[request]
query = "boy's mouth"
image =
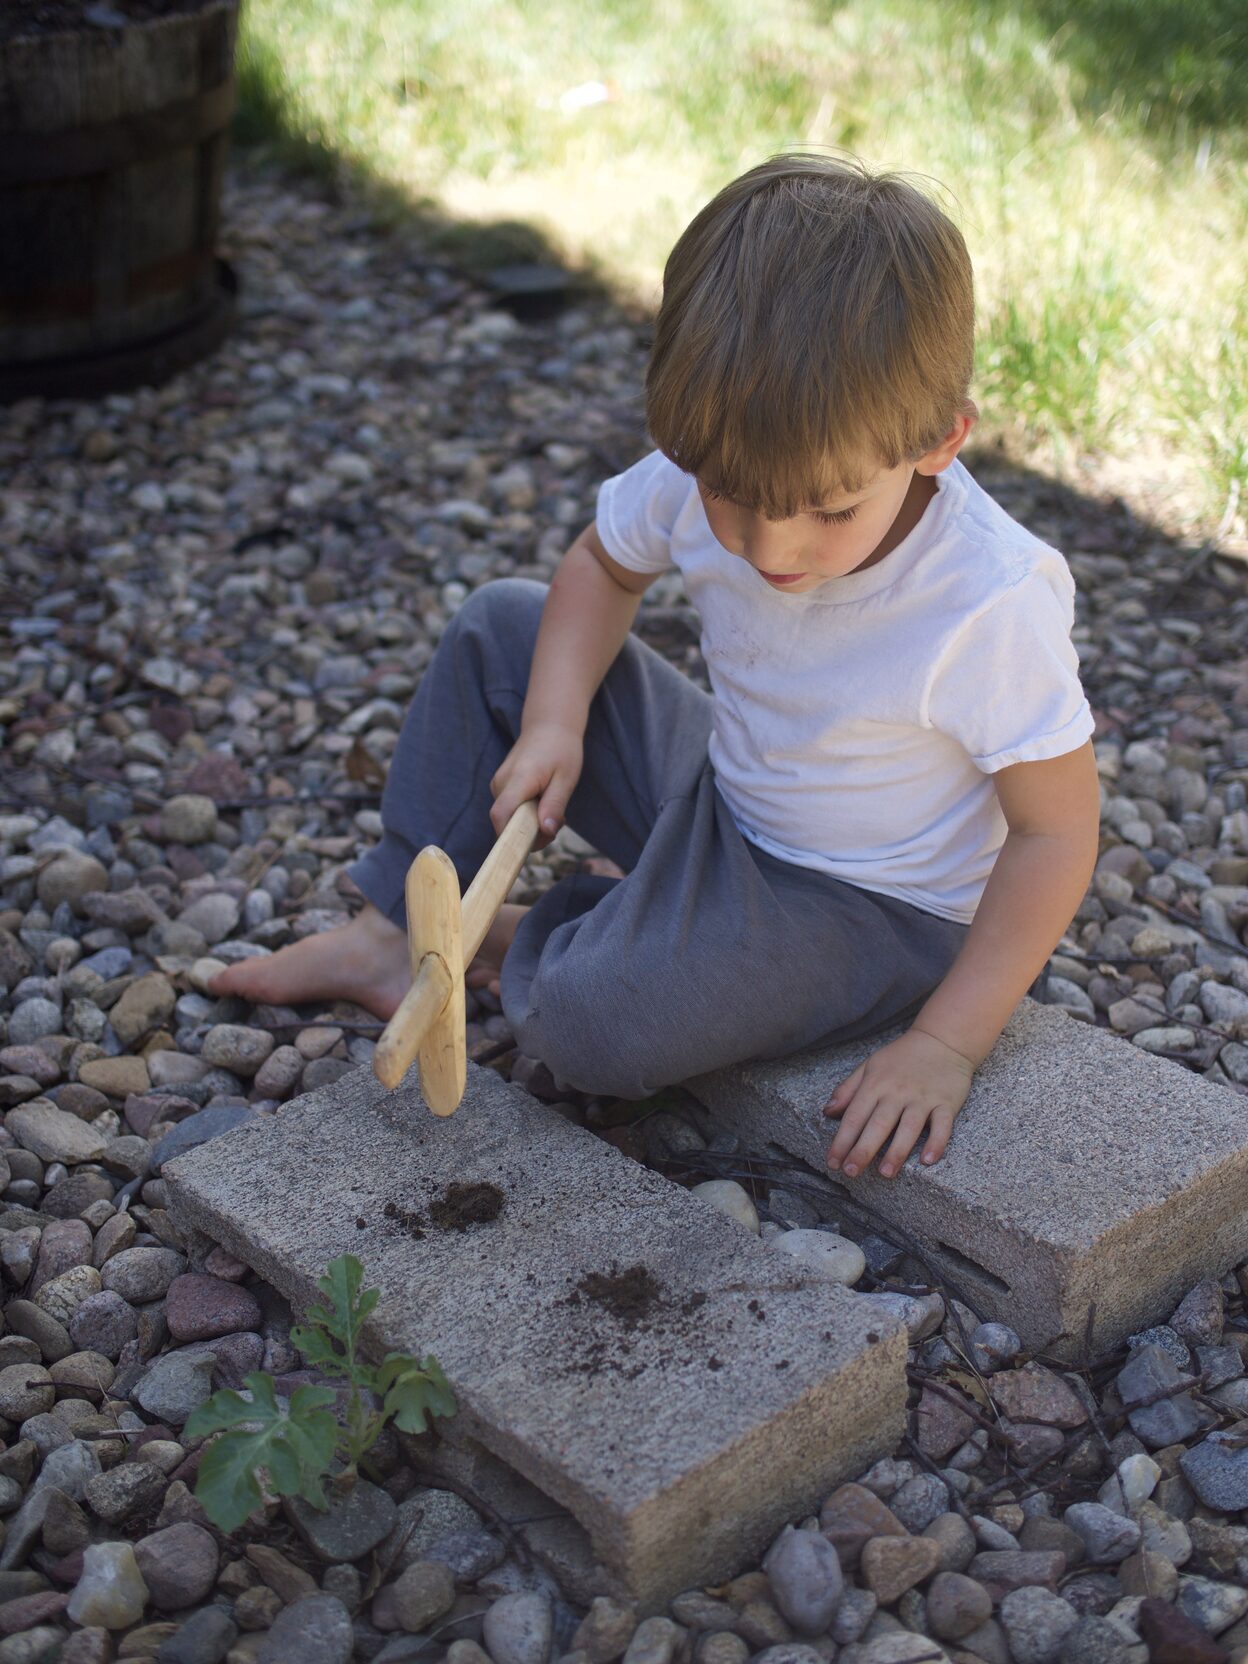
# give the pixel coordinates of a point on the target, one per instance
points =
(779, 579)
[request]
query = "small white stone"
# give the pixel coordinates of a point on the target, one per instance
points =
(729, 1197)
(830, 1256)
(111, 1591)
(1138, 1475)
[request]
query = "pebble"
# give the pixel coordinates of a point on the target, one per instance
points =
(1170, 1420)
(832, 1257)
(200, 1307)
(125, 1490)
(142, 1274)
(891, 1565)
(313, 1630)
(654, 1641)
(1214, 1606)
(605, 1631)
(728, 1197)
(1107, 1537)
(1198, 1317)
(205, 1637)
(518, 1629)
(1036, 1621)
(188, 819)
(241, 1050)
(179, 1564)
(111, 1593)
(806, 1580)
(175, 1385)
(423, 1593)
(350, 1527)
(53, 1134)
(1215, 1469)
(956, 1605)
(919, 1501)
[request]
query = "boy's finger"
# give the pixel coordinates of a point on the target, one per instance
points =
(904, 1139)
(871, 1139)
(837, 1103)
(853, 1121)
(938, 1137)
(552, 808)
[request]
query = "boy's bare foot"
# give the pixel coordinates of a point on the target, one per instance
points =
(365, 961)
(485, 968)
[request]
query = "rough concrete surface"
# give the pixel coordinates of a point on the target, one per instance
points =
(682, 1441)
(1082, 1173)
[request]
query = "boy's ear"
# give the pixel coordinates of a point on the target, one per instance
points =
(939, 458)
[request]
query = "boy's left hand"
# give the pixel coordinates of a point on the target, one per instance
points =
(915, 1081)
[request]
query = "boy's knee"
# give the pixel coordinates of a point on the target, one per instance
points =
(503, 603)
(595, 1045)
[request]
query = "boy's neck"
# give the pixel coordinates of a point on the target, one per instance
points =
(922, 490)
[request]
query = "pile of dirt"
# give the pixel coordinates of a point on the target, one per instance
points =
(631, 1296)
(461, 1205)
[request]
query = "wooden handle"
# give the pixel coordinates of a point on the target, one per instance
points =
(405, 1032)
(499, 871)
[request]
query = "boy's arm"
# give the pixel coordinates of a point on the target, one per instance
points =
(589, 611)
(922, 1079)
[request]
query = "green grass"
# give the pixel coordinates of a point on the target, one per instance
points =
(1093, 152)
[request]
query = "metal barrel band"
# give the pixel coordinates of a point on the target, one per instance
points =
(99, 147)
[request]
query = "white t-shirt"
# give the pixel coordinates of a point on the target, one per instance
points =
(855, 727)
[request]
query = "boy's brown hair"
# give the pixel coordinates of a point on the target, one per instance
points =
(817, 325)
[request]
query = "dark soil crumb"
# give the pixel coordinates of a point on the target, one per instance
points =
(361, 1224)
(52, 17)
(412, 1223)
(462, 1205)
(630, 1295)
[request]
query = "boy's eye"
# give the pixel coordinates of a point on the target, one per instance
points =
(838, 519)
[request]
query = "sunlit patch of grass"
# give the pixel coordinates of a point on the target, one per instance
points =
(1092, 151)
(1046, 355)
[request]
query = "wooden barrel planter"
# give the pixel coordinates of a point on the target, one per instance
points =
(112, 151)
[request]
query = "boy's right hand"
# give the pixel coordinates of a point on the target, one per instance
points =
(544, 763)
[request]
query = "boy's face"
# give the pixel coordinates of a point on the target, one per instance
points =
(830, 539)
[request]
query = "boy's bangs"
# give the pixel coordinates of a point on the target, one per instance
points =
(774, 458)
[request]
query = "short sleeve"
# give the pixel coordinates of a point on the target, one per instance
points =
(637, 510)
(1007, 687)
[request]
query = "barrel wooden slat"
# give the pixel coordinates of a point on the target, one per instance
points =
(99, 76)
(109, 248)
(47, 94)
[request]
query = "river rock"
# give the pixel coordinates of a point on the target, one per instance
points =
(200, 1307)
(1036, 1622)
(423, 1594)
(728, 1197)
(188, 819)
(806, 1580)
(518, 1629)
(146, 1005)
(175, 1386)
(349, 1529)
(103, 1323)
(53, 1134)
(142, 1274)
(314, 1630)
(834, 1258)
(179, 1565)
(70, 877)
(1218, 1472)
(111, 1592)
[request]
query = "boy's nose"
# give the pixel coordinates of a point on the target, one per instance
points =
(766, 552)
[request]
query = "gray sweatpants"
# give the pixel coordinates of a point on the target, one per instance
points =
(710, 951)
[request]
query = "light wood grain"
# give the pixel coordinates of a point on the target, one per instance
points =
(433, 923)
(398, 1046)
(499, 871)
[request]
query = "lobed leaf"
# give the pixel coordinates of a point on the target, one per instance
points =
(292, 1445)
(413, 1391)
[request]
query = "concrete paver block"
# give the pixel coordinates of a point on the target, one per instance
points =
(1083, 1173)
(681, 1436)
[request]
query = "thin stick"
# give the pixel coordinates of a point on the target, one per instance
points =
(499, 871)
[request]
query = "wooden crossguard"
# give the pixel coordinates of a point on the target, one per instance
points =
(443, 936)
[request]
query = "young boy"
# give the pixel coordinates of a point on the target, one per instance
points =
(887, 808)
